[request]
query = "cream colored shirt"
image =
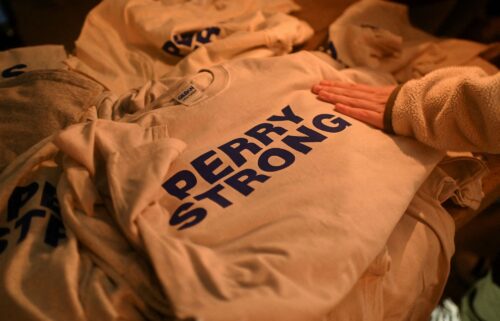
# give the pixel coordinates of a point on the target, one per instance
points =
(125, 43)
(221, 199)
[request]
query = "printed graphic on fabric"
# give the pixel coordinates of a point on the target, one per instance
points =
(13, 71)
(182, 44)
(257, 141)
(21, 195)
(331, 50)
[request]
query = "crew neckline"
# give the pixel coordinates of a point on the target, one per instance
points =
(192, 90)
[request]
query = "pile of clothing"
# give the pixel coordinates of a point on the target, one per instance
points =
(177, 167)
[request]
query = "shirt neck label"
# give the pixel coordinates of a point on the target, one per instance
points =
(188, 94)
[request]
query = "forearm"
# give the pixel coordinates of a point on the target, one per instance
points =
(451, 109)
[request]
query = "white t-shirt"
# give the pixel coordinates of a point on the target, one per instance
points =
(15, 62)
(125, 43)
(233, 194)
(258, 214)
(379, 35)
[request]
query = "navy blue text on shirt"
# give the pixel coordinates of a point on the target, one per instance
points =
(182, 44)
(257, 142)
(23, 216)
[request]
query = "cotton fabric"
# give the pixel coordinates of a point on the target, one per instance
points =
(378, 35)
(125, 43)
(36, 104)
(291, 246)
(14, 62)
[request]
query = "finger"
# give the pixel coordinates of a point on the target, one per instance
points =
(352, 102)
(367, 116)
(359, 94)
(317, 88)
(361, 87)
(333, 83)
(327, 85)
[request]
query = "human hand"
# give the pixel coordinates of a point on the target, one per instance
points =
(362, 102)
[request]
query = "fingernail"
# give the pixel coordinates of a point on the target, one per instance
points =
(317, 88)
(323, 94)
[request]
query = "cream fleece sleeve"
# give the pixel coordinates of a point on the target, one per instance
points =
(456, 108)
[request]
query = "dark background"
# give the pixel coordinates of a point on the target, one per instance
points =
(35, 22)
